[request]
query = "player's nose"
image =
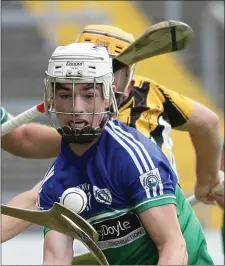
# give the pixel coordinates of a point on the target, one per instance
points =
(78, 105)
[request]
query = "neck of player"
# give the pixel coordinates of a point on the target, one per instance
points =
(80, 149)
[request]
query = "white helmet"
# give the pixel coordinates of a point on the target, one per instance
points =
(79, 63)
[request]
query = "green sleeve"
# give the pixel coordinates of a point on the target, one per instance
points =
(156, 201)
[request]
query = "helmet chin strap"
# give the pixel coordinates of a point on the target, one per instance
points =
(82, 135)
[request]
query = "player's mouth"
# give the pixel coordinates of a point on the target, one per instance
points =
(78, 123)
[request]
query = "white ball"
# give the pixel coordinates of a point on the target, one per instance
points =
(74, 199)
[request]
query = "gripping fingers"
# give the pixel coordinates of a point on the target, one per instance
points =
(218, 189)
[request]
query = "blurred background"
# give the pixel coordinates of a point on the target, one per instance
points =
(30, 32)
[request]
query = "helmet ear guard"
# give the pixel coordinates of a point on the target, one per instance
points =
(79, 63)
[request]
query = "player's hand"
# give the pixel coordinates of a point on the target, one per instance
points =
(220, 200)
(208, 193)
(218, 193)
(202, 194)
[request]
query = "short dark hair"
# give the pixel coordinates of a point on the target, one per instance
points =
(58, 86)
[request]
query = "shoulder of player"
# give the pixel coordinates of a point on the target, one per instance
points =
(144, 82)
(139, 80)
(130, 142)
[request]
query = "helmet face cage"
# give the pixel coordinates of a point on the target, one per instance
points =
(71, 132)
(65, 117)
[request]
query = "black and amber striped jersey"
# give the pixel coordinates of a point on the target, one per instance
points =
(154, 110)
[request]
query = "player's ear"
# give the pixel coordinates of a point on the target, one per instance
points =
(51, 100)
(52, 103)
(107, 104)
(129, 88)
(114, 88)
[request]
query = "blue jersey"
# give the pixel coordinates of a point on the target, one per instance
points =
(124, 173)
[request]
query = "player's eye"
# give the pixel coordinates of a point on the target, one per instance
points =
(65, 96)
(89, 95)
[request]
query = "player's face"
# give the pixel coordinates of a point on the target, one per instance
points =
(120, 81)
(73, 106)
